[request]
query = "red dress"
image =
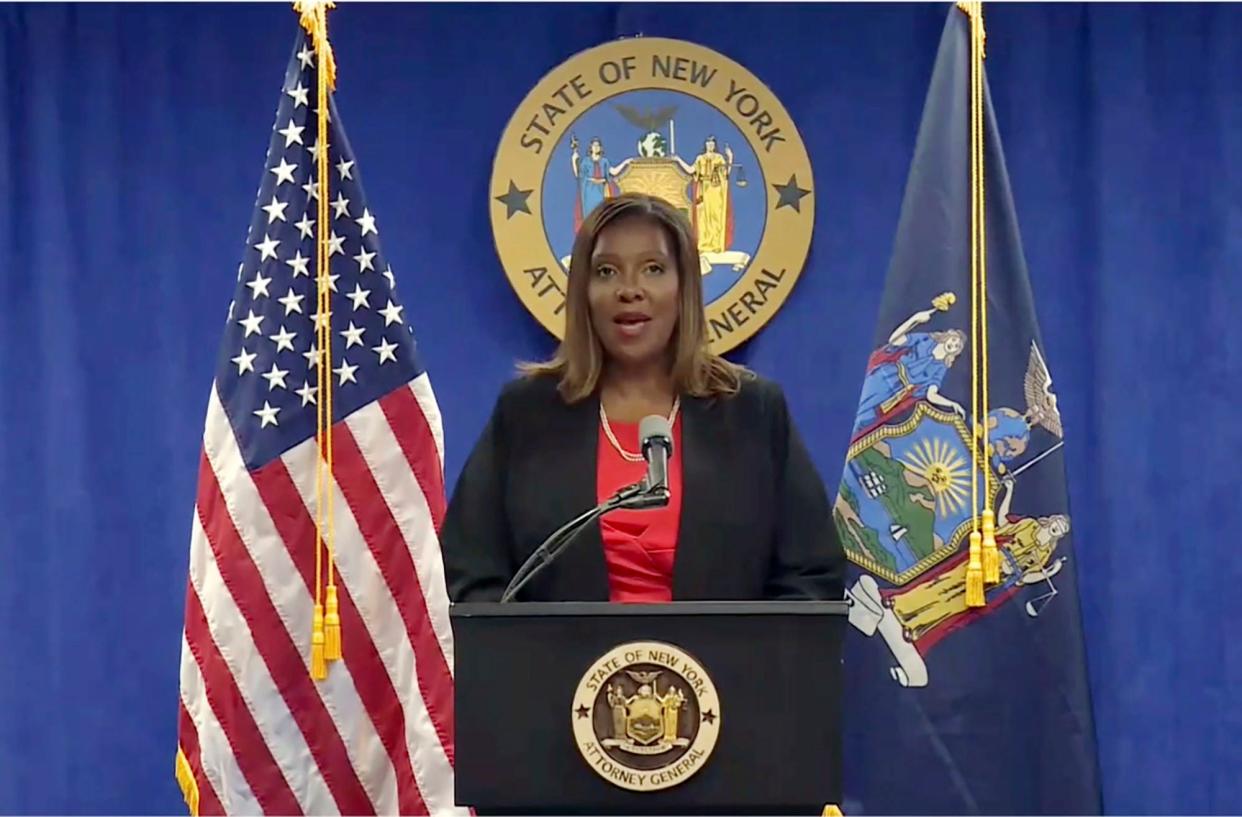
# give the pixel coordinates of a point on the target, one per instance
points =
(639, 545)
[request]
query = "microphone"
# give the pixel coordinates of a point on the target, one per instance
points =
(652, 491)
(656, 437)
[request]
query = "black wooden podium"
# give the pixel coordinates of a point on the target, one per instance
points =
(775, 688)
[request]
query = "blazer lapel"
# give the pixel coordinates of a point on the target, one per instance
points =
(692, 563)
(582, 573)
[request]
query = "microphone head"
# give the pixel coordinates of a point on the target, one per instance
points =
(654, 429)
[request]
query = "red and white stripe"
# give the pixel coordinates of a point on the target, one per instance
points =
(376, 737)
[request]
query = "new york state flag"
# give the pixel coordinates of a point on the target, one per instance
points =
(969, 708)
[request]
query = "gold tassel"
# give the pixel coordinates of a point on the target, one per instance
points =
(332, 628)
(974, 572)
(991, 555)
(319, 668)
(831, 810)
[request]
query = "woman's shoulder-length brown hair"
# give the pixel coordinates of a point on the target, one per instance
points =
(579, 360)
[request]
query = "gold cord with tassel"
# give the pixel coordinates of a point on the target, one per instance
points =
(991, 556)
(983, 566)
(332, 621)
(974, 567)
(325, 626)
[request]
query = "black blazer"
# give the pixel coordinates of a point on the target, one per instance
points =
(755, 519)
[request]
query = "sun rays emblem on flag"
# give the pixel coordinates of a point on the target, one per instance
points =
(905, 500)
(947, 473)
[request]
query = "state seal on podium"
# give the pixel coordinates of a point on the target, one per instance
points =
(646, 716)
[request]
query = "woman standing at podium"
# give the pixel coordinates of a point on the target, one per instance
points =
(748, 516)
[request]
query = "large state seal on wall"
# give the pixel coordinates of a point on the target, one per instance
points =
(672, 119)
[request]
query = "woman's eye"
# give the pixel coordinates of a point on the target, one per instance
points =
(604, 272)
(654, 269)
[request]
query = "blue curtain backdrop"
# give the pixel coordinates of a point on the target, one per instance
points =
(132, 140)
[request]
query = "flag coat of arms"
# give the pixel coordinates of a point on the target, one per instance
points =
(259, 732)
(971, 705)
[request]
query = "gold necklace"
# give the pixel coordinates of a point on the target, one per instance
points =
(628, 455)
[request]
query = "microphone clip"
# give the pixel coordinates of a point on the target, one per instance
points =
(646, 496)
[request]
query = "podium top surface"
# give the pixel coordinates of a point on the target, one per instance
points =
(680, 608)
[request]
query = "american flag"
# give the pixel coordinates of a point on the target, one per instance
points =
(257, 734)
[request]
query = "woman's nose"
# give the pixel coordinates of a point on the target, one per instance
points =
(629, 293)
(628, 288)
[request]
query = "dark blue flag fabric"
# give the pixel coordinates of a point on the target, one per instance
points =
(957, 708)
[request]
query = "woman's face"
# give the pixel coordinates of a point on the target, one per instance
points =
(634, 291)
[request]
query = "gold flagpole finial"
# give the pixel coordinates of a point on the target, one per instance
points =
(974, 10)
(314, 18)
